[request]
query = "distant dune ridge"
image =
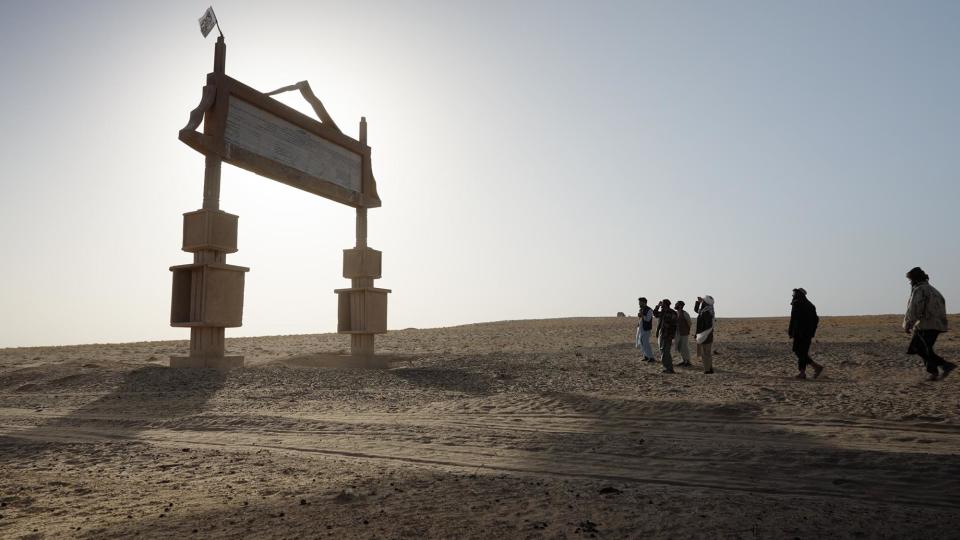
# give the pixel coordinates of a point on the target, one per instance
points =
(514, 429)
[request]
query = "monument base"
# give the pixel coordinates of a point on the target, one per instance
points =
(223, 362)
(371, 361)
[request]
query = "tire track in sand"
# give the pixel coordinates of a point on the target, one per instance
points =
(693, 446)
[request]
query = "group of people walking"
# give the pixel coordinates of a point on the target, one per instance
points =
(925, 320)
(675, 325)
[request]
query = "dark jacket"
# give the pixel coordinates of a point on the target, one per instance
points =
(668, 322)
(926, 309)
(803, 319)
(704, 321)
(683, 319)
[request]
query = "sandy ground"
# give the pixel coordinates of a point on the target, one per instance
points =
(531, 429)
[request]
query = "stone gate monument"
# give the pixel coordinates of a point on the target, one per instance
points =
(253, 131)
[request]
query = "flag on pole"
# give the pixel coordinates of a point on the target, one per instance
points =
(208, 21)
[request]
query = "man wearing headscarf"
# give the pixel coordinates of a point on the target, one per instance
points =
(803, 326)
(703, 307)
(926, 318)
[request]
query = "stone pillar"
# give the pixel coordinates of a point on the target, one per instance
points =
(362, 309)
(208, 294)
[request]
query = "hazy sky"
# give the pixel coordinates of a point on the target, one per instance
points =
(535, 159)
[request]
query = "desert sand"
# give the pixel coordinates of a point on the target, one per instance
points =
(521, 429)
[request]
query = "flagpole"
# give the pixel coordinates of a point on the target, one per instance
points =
(217, 21)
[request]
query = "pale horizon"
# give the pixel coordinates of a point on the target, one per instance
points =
(541, 160)
(627, 336)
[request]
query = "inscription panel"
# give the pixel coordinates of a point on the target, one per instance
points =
(262, 133)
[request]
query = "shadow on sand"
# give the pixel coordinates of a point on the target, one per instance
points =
(733, 447)
(446, 379)
(146, 398)
(343, 361)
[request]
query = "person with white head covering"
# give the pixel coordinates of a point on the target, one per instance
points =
(705, 315)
